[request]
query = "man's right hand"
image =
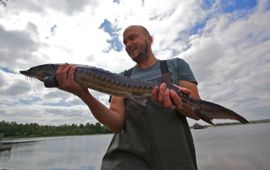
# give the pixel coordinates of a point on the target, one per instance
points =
(65, 78)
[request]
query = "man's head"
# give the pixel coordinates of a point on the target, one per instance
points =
(138, 42)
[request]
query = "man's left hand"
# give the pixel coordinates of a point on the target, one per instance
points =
(168, 98)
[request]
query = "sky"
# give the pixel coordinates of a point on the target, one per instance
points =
(226, 43)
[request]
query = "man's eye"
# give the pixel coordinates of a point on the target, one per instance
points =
(132, 37)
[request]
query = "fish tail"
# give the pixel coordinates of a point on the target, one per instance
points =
(208, 111)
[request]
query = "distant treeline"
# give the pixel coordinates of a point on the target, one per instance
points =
(13, 129)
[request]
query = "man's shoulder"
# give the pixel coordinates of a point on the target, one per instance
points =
(176, 60)
(127, 72)
(176, 63)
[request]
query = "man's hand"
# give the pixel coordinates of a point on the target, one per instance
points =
(168, 98)
(65, 78)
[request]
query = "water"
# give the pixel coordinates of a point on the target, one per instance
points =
(57, 153)
(244, 147)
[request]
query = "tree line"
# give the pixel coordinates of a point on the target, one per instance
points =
(13, 129)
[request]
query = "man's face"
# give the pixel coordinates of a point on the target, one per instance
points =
(137, 43)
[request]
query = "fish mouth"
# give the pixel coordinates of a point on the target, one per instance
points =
(29, 74)
(26, 73)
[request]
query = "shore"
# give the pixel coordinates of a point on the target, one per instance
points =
(199, 126)
(7, 143)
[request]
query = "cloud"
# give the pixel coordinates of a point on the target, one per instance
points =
(225, 42)
(68, 7)
(46, 114)
(12, 87)
(18, 88)
(229, 59)
(18, 47)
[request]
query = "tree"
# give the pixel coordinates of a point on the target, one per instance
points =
(13, 129)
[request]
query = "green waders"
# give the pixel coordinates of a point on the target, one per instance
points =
(154, 138)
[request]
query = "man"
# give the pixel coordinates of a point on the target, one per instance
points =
(151, 137)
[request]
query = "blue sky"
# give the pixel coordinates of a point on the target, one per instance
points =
(229, 6)
(114, 41)
(225, 42)
(224, 6)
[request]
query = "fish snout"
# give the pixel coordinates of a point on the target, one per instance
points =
(26, 73)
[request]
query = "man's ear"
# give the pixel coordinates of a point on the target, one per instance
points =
(150, 39)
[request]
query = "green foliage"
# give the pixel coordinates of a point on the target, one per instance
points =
(13, 129)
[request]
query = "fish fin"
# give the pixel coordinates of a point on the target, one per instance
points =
(215, 111)
(141, 100)
(202, 115)
(187, 111)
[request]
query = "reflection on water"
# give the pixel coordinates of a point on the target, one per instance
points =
(57, 153)
(244, 147)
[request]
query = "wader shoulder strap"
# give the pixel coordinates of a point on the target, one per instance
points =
(128, 72)
(164, 67)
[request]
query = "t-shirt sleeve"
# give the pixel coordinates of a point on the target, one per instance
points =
(183, 70)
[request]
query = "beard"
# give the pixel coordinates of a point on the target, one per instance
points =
(142, 53)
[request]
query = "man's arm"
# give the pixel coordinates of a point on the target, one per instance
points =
(194, 92)
(112, 117)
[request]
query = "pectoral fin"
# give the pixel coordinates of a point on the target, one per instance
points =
(141, 100)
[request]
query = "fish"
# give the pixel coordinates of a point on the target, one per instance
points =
(115, 84)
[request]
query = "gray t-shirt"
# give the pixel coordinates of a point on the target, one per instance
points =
(177, 66)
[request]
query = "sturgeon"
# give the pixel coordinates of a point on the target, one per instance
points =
(117, 85)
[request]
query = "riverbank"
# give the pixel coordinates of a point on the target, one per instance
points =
(8, 143)
(199, 126)
(4, 147)
(25, 138)
(14, 129)
(18, 141)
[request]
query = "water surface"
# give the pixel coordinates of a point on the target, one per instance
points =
(240, 147)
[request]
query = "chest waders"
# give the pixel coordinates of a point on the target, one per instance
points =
(154, 138)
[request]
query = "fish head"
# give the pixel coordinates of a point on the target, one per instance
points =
(40, 72)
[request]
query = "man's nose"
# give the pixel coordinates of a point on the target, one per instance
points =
(128, 45)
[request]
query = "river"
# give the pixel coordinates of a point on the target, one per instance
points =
(239, 147)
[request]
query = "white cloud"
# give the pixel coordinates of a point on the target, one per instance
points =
(231, 61)
(229, 56)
